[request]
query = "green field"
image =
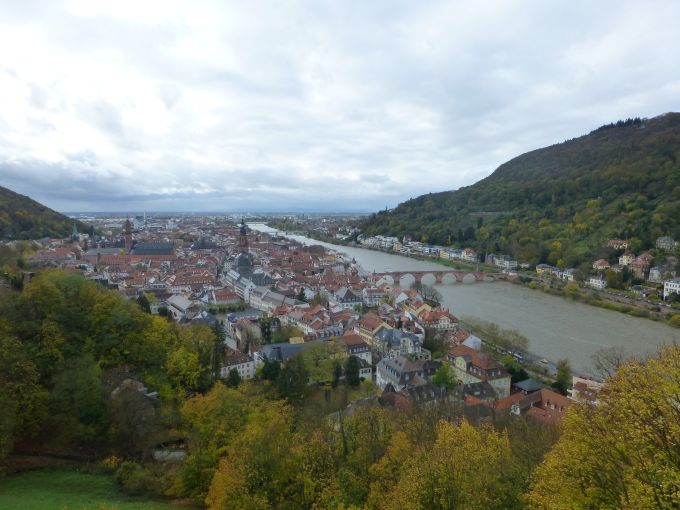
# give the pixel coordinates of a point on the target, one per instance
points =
(67, 490)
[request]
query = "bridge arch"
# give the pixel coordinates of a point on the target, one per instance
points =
(407, 280)
(388, 278)
(469, 278)
(428, 279)
(449, 279)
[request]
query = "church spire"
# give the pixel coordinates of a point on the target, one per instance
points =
(127, 232)
(243, 237)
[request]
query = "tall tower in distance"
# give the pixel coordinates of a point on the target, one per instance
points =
(74, 233)
(127, 232)
(243, 237)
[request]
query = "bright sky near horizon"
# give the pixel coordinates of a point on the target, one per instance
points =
(310, 105)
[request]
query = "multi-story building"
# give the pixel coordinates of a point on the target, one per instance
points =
(401, 372)
(472, 366)
(597, 282)
(233, 359)
(671, 287)
(666, 243)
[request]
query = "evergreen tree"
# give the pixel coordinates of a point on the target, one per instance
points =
(271, 369)
(233, 378)
(143, 302)
(293, 379)
(337, 374)
(352, 371)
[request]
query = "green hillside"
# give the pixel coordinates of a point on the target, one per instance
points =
(24, 218)
(560, 203)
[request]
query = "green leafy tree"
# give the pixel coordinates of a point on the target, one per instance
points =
(515, 369)
(77, 406)
(563, 377)
(22, 397)
(445, 377)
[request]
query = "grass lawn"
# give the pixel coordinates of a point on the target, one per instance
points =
(67, 490)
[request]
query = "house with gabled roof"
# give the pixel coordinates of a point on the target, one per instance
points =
(369, 325)
(401, 372)
(345, 299)
(471, 366)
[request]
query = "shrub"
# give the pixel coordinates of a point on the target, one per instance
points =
(135, 480)
(111, 463)
(675, 320)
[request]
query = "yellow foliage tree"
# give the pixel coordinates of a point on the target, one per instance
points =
(624, 452)
(467, 467)
(385, 473)
(258, 470)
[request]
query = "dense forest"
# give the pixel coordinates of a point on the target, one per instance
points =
(84, 372)
(560, 203)
(24, 218)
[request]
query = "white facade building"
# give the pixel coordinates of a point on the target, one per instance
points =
(671, 287)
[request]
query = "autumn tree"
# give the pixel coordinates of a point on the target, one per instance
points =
(467, 467)
(257, 470)
(211, 422)
(623, 452)
(362, 440)
(385, 473)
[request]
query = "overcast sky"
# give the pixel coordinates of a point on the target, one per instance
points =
(339, 105)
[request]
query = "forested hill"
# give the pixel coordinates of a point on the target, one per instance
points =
(24, 218)
(558, 204)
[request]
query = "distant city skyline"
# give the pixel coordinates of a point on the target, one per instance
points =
(165, 106)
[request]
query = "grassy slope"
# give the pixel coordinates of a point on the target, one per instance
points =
(67, 490)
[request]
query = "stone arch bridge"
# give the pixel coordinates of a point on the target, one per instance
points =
(441, 277)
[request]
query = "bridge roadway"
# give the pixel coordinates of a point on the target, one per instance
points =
(444, 276)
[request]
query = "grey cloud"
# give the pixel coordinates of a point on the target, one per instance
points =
(352, 106)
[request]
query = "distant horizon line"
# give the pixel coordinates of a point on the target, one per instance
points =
(214, 213)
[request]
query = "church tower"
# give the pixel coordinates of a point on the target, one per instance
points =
(127, 230)
(243, 237)
(74, 233)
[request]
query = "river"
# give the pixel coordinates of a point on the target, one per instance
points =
(556, 327)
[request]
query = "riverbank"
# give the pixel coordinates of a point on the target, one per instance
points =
(627, 306)
(557, 327)
(592, 297)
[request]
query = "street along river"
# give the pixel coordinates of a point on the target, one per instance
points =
(556, 327)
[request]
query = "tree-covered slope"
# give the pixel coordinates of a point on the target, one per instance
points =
(560, 203)
(24, 218)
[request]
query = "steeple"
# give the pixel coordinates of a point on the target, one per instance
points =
(127, 231)
(74, 233)
(243, 237)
